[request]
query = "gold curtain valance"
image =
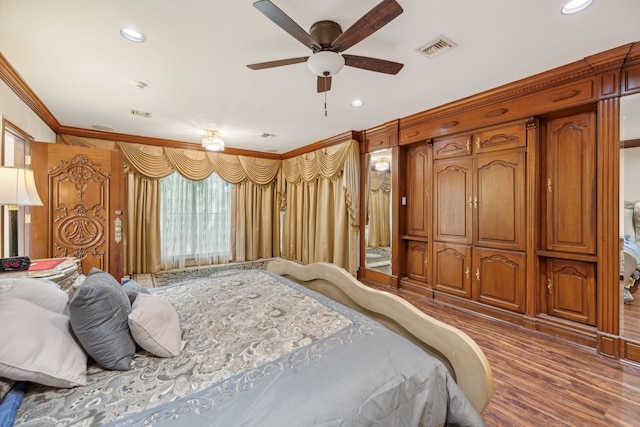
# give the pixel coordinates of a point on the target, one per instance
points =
(379, 181)
(158, 162)
(327, 163)
(341, 160)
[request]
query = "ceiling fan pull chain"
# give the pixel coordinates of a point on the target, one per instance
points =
(325, 104)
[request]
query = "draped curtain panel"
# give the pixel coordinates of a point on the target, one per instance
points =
(148, 163)
(255, 232)
(379, 209)
(321, 219)
(142, 198)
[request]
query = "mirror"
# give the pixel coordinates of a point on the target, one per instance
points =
(378, 218)
(630, 217)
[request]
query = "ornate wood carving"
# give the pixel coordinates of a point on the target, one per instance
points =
(80, 201)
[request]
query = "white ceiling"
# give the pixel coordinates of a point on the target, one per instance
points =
(71, 55)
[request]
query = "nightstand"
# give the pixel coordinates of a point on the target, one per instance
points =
(63, 271)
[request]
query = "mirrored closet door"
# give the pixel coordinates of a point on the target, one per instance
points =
(378, 212)
(630, 217)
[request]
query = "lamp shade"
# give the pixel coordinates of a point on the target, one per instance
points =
(325, 63)
(18, 187)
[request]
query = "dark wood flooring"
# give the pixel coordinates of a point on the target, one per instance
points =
(544, 381)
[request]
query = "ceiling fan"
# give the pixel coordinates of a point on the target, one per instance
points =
(327, 41)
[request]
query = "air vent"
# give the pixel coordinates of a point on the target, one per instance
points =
(436, 47)
(141, 114)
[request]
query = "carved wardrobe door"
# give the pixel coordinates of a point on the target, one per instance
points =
(84, 206)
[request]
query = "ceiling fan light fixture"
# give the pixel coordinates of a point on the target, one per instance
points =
(325, 63)
(212, 141)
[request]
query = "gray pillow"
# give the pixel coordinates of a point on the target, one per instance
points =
(43, 292)
(133, 288)
(99, 314)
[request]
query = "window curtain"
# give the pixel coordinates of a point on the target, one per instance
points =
(142, 229)
(379, 209)
(255, 231)
(148, 163)
(195, 221)
(321, 208)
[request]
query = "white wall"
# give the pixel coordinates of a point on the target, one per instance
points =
(17, 112)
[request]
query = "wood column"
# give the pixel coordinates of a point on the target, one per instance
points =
(608, 207)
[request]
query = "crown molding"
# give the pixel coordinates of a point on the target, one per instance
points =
(11, 77)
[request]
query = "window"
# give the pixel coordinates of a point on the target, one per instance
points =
(14, 219)
(195, 221)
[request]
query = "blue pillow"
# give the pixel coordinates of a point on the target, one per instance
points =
(133, 288)
(99, 314)
(10, 403)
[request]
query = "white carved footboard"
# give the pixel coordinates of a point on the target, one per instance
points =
(456, 349)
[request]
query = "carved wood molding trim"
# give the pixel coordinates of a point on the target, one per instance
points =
(9, 75)
(589, 66)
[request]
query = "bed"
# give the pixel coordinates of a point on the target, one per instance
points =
(630, 249)
(293, 345)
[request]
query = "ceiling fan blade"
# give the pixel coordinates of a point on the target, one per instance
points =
(281, 19)
(376, 18)
(324, 84)
(278, 63)
(372, 64)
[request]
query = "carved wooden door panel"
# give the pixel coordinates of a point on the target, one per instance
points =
(84, 205)
(452, 265)
(452, 213)
(419, 200)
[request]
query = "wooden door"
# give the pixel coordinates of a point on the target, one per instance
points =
(499, 278)
(452, 264)
(571, 290)
(419, 194)
(570, 184)
(83, 216)
(500, 208)
(418, 261)
(453, 200)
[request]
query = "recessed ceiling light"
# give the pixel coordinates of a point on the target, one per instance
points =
(575, 6)
(357, 103)
(133, 35)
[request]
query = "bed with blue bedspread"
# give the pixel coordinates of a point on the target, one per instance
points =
(258, 349)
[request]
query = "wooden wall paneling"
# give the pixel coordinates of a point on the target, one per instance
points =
(571, 290)
(419, 190)
(452, 269)
(364, 178)
(533, 223)
(40, 229)
(499, 201)
(398, 221)
(571, 184)
(608, 208)
(498, 278)
(509, 106)
(453, 200)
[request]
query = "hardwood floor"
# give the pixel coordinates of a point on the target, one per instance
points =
(544, 381)
(631, 325)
